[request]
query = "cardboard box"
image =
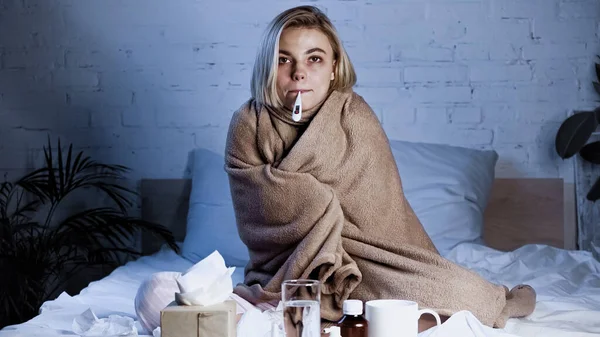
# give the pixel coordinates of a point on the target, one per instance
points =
(217, 320)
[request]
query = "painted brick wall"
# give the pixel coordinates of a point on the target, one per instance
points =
(143, 82)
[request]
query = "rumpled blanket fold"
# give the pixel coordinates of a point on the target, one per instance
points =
(322, 198)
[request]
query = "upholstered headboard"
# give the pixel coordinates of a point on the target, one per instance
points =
(526, 211)
(165, 201)
(519, 212)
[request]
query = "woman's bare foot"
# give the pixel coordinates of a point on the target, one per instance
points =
(520, 302)
(524, 296)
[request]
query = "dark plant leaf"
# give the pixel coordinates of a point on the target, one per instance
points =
(38, 183)
(60, 170)
(596, 87)
(5, 193)
(68, 162)
(17, 209)
(55, 183)
(574, 132)
(23, 211)
(594, 193)
(40, 257)
(113, 192)
(51, 172)
(157, 231)
(63, 279)
(6, 237)
(5, 189)
(591, 152)
(98, 228)
(22, 292)
(86, 229)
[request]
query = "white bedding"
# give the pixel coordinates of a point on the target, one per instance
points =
(567, 283)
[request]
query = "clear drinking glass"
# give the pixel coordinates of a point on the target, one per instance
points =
(301, 308)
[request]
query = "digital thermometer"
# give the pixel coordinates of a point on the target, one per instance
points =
(297, 112)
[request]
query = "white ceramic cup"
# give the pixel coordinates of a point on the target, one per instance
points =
(395, 318)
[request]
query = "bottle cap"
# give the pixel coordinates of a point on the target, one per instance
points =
(334, 331)
(353, 307)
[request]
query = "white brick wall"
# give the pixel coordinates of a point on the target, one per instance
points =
(142, 83)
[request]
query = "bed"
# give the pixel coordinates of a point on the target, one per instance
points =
(522, 230)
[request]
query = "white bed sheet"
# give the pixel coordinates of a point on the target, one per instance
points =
(567, 284)
(114, 294)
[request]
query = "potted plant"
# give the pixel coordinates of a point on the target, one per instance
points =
(40, 251)
(575, 132)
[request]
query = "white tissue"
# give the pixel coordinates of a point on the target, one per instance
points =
(208, 282)
(255, 323)
(464, 324)
(88, 325)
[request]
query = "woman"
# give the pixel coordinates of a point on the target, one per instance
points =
(317, 193)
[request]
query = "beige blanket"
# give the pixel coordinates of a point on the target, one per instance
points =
(322, 198)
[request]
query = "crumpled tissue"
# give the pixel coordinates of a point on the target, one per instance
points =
(208, 282)
(256, 323)
(88, 325)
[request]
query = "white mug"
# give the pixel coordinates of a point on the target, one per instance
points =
(394, 318)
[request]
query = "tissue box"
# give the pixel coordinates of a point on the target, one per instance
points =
(198, 321)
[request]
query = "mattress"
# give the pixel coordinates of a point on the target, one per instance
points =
(567, 284)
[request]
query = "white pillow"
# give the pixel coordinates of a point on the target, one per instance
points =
(448, 187)
(211, 221)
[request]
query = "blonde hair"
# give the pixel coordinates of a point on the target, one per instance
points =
(263, 85)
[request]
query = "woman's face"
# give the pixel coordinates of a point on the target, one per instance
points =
(305, 65)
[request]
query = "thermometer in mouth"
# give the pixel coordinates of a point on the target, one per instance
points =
(297, 112)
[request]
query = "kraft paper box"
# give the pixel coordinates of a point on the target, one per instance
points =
(198, 321)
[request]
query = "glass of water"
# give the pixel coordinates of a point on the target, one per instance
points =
(301, 308)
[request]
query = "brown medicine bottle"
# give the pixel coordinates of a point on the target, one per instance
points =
(353, 323)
